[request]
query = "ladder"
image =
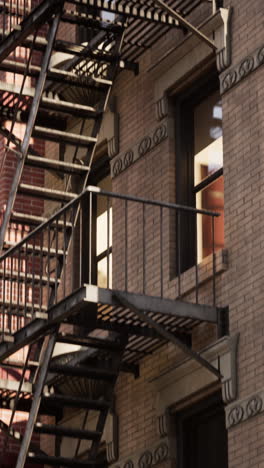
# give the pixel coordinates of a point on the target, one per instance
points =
(78, 89)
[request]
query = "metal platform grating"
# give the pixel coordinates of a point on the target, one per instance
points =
(139, 344)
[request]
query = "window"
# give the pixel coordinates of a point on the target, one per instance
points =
(199, 159)
(201, 435)
(104, 236)
(101, 261)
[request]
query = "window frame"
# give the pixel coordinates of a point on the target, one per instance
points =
(184, 104)
(100, 169)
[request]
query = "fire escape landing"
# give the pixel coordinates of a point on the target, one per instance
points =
(41, 304)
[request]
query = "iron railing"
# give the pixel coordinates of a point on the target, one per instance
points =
(139, 241)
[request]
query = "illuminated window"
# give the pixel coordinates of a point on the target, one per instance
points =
(199, 169)
(208, 171)
(104, 236)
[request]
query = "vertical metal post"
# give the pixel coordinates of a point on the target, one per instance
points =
(108, 241)
(178, 215)
(90, 234)
(33, 273)
(56, 228)
(144, 248)
(18, 285)
(214, 266)
(196, 260)
(64, 252)
(48, 266)
(161, 251)
(25, 282)
(10, 295)
(126, 245)
(41, 271)
(4, 297)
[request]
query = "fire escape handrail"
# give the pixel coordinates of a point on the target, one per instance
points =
(96, 190)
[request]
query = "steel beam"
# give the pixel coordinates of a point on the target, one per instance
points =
(174, 14)
(173, 308)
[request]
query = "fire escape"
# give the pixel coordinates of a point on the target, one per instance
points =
(41, 306)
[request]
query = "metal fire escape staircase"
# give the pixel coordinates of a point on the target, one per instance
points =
(35, 297)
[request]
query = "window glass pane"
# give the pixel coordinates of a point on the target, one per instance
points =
(101, 218)
(208, 144)
(102, 272)
(210, 198)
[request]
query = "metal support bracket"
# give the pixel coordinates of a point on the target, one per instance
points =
(186, 24)
(167, 335)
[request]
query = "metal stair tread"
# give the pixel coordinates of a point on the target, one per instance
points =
(83, 371)
(55, 164)
(34, 220)
(60, 105)
(70, 138)
(51, 194)
(22, 276)
(67, 431)
(93, 342)
(37, 249)
(76, 402)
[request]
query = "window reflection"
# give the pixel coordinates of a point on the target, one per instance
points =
(208, 178)
(103, 244)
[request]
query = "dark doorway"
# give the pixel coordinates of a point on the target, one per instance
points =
(202, 435)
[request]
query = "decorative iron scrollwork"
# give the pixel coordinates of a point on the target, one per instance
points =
(236, 415)
(145, 461)
(254, 406)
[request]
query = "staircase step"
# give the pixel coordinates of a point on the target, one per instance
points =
(47, 194)
(65, 137)
(54, 164)
(83, 371)
(29, 278)
(78, 110)
(55, 75)
(89, 341)
(37, 249)
(58, 461)
(76, 402)
(66, 431)
(32, 220)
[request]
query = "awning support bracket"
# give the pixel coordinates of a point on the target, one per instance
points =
(186, 24)
(167, 334)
